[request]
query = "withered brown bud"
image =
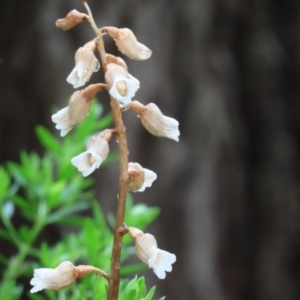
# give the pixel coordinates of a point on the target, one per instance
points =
(73, 18)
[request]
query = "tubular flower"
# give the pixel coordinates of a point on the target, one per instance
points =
(122, 86)
(60, 277)
(127, 43)
(79, 106)
(53, 279)
(96, 152)
(85, 64)
(139, 178)
(146, 249)
(155, 122)
(73, 18)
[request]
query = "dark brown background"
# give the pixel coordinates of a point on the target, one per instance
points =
(229, 71)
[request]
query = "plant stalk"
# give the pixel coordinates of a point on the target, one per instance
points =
(120, 132)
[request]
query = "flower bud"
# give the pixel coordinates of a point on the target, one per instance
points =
(73, 18)
(60, 277)
(127, 43)
(155, 122)
(146, 249)
(96, 152)
(122, 86)
(79, 106)
(139, 178)
(85, 64)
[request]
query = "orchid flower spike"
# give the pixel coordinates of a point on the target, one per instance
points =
(146, 249)
(155, 122)
(127, 43)
(79, 106)
(96, 152)
(139, 178)
(85, 64)
(122, 86)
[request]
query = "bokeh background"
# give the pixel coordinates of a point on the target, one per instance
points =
(229, 71)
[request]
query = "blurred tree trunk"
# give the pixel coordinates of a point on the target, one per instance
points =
(229, 71)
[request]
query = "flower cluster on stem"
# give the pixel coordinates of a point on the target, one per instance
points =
(122, 87)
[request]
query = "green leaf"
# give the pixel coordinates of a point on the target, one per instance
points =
(17, 172)
(142, 287)
(4, 183)
(48, 140)
(133, 293)
(25, 233)
(149, 296)
(4, 234)
(20, 202)
(133, 269)
(9, 290)
(130, 284)
(3, 260)
(66, 211)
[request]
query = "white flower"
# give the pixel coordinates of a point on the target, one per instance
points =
(96, 152)
(62, 120)
(85, 64)
(155, 122)
(146, 249)
(139, 178)
(68, 117)
(122, 85)
(61, 277)
(53, 279)
(150, 176)
(127, 43)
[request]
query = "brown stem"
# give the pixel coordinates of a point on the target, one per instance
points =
(120, 132)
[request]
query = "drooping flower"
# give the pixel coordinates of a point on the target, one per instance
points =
(85, 64)
(60, 277)
(127, 43)
(96, 152)
(139, 178)
(79, 106)
(73, 18)
(122, 85)
(155, 122)
(53, 279)
(146, 249)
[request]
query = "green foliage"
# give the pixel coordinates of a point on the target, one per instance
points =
(49, 196)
